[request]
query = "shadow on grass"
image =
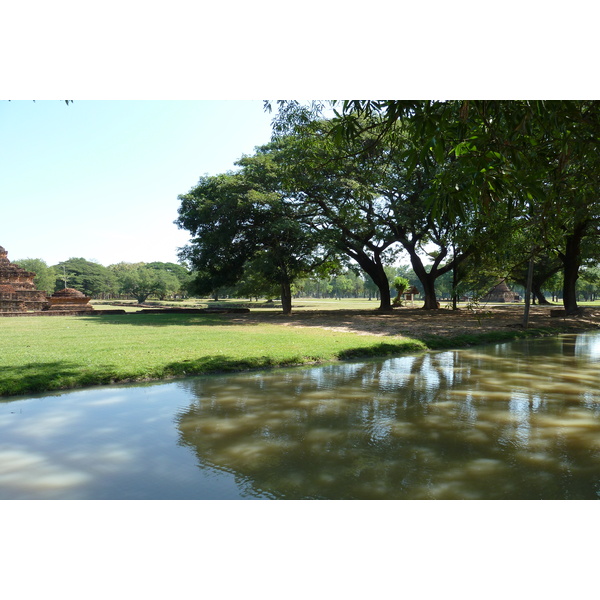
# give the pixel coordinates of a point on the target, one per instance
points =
(58, 375)
(225, 364)
(477, 339)
(162, 320)
(383, 349)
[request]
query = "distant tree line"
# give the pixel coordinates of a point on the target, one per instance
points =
(123, 280)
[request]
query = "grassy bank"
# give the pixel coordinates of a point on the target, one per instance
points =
(487, 337)
(40, 354)
(51, 353)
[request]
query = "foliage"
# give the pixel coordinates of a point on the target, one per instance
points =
(91, 278)
(170, 287)
(45, 276)
(140, 281)
(315, 286)
(240, 222)
(401, 284)
(531, 166)
(540, 159)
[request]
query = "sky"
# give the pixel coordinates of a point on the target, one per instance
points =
(101, 179)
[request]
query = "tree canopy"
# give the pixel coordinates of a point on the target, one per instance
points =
(524, 169)
(241, 223)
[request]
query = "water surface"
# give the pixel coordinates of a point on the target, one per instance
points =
(507, 421)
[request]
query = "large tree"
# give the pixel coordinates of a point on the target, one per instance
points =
(239, 218)
(321, 184)
(368, 198)
(541, 156)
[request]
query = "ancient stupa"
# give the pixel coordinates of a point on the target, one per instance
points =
(501, 293)
(70, 300)
(17, 290)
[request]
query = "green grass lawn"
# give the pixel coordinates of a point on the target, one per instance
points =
(50, 353)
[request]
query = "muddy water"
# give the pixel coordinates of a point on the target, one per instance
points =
(509, 421)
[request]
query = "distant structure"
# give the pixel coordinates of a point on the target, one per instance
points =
(18, 295)
(410, 293)
(69, 300)
(17, 290)
(501, 293)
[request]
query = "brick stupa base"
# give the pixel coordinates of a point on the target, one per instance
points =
(69, 300)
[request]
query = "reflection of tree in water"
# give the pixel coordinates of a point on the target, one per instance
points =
(448, 425)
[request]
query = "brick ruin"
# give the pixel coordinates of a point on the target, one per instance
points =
(501, 293)
(18, 294)
(69, 300)
(17, 290)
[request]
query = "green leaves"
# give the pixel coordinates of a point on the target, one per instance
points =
(439, 150)
(463, 148)
(246, 229)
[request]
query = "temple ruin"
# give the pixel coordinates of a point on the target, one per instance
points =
(17, 290)
(501, 293)
(69, 300)
(18, 295)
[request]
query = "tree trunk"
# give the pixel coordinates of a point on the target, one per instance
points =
(571, 263)
(141, 298)
(385, 298)
(430, 301)
(427, 281)
(528, 294)
(286, 297)
(374, 269)
(454, 288)
(544, 268)
(537, 292)
(570, 281)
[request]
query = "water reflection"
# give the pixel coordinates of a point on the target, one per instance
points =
(509, 421)
(517, 420)
(105, 443)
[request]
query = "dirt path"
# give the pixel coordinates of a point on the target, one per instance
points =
(415, 322)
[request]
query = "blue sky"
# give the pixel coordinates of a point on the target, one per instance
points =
(100, 179)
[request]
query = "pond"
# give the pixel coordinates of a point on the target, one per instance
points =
(508, 421)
